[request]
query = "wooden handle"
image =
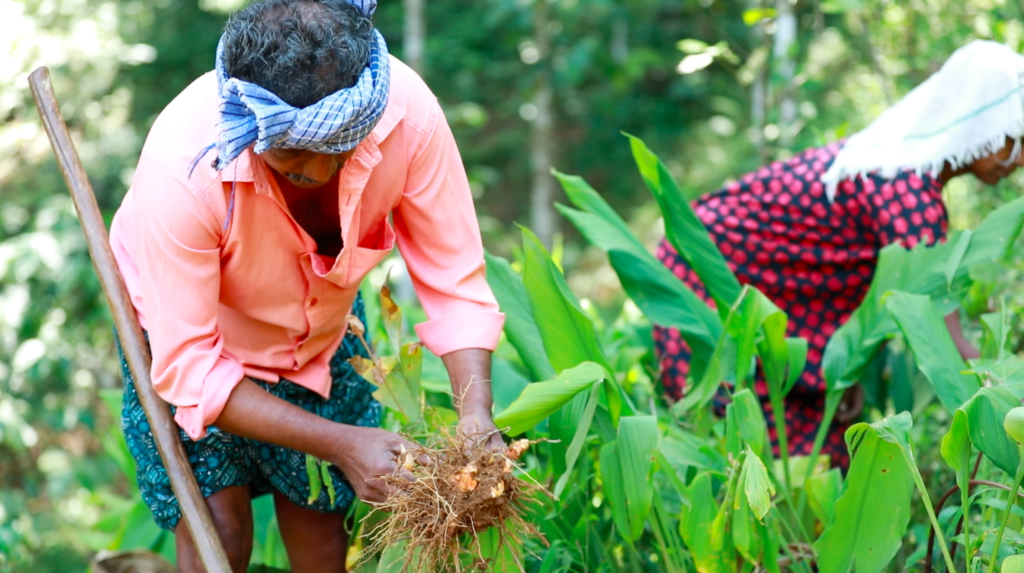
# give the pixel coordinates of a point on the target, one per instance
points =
(136, 349)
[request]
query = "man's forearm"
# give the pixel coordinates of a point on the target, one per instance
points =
(470, 374)
(251, 412)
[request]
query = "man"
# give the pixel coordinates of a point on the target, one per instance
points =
(243, 271)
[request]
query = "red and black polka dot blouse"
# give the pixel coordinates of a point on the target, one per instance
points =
(813, 258)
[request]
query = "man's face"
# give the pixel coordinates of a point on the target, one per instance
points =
(995, 167)
(304, 168)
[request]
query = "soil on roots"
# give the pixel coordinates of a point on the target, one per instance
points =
(460, 489)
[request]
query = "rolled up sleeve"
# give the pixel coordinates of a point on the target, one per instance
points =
(439, 238)
(178, 257)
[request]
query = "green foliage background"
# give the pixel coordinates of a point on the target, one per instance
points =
(613, 66)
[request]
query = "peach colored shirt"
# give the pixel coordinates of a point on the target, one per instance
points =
(231, 288)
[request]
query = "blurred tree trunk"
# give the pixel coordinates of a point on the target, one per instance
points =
(415, 34)
(542, 151)
(758, 95)
(785, 44)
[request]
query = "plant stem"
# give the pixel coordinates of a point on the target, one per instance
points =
(1010, 502)
(832, 400)
(919, 483)
(779, 414)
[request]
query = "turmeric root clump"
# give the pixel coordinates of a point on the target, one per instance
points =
(460, 488)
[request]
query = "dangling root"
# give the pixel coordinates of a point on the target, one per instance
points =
(460, 488)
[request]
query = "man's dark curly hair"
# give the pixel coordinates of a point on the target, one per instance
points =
(301, 50)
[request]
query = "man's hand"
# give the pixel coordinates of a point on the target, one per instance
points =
(362, 454)
(470, 373)
(479, 427)
(365, 454)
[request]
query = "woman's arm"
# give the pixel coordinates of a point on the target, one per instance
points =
(967, 350)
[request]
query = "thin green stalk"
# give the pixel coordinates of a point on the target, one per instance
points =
(1010, 502)
(965, 505)
(832, 400)
(787, 495)
(667, 541)
(919, 483)
(785, 546)
(779, 413)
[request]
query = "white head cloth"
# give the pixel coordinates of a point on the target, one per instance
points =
(964, 112)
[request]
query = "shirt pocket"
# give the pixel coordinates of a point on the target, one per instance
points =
(371, 250)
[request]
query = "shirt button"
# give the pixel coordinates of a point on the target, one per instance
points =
(313, 301)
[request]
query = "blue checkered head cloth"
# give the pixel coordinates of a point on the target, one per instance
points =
(250, 114)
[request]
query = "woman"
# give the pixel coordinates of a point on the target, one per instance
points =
(807, 231)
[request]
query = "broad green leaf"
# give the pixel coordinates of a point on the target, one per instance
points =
(568, 334)
(500, 550)
(822, 492)
(541, 399)
(745, 531)
(957, 256)
(687, 451)
(683, 228)
(614, 489)
(934, 351)
(695, 525)
(520, 328)
(757, 487)
(393, 390)
(997, 332)
(1013, 564)
(956, 443)
(656, 291)
(921, 270)
(638, 442)
(873, 511)
(797, 348)
(393, 558)
(985, 414)
(750, 420)
(580, 437)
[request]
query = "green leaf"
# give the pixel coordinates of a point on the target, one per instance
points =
(985, 413)
(934, 350)
(745, 531)
(613, 488)
(520, 327)
(707, 549)
(393, 389)
(957, 256)
(797, 348)
(579, 438)
(568, 334)
(750, 420)
(325, 474)
(873, 511)
(1013, 564)
(956, 443)
(757, 487)
(541, 399)
(922, 270)
(656, 291)
(997, 332)
(822, 492)
(683, 228)
(313, 473)
(638, 442)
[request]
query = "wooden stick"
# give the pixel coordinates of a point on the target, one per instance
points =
(136, 349)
